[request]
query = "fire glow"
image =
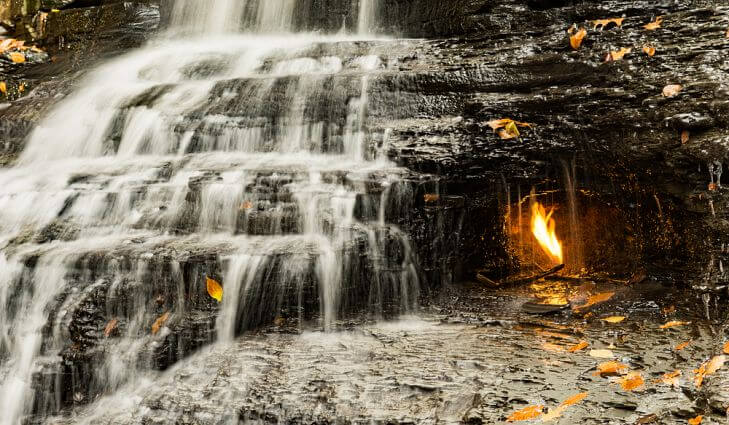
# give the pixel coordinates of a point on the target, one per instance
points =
(543, 228)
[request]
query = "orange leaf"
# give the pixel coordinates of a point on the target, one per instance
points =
(674, 323)
(672, 90)
(685, 137)
(526, 413)
(215, 290)
(683, 345)
(602, 23)
(611, 368)
(431, 198)
(157, 325)
(574, 399)
(713, 186)
(576, 38)
(17, 57)
(707, 368)
(578, 347)
(246, 205)
(557, 412)
(671, 378)
(655, 24)
(614, 319)
(110, 327)
(3, 88)
(726, 348)
(595, 299)
(632, 381)
(649, 50)
(696, 421)
(618, 55)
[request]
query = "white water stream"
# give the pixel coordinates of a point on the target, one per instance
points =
(234, 141)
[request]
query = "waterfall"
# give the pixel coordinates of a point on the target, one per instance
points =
(228, 148)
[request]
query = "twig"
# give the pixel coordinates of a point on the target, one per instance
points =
(549, 272)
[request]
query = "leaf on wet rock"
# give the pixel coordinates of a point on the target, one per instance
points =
(673, 324)
(726, 348)
(683, 345)
(603, 354)
(525, 414)
(632, 381)
(557, 412)
(672, 90)
(596, 299)
(578, 347)
(431, 198)
(157, 325)
(671, 378)
(507, 128)
(696, 421)
(548, 346)
(611, 368)
(17, 57)
(618, 54)
(3, 88)
(215, 290)
(576, 37)
(602, 23)
(708, 368)
(649, 50)
(685, 137)
(655, 24)
(614, 319)
(246, 205)
(110, 327)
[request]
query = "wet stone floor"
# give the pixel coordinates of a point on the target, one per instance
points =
(472, 356)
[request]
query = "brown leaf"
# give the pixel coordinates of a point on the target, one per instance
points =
(669, 309)
(655, 24)
(632, 381)
(696, 421)
(611, 368)
(685, 137)
(578, 347)
(576, 38)
(649, 50)
(110, 327)
(526, 413)
(602, 23)
(674, 323)
(614, 319)
(157, 325)
(712, 187)
(431, 198)
(595, 299)
(214, 288)
(672, 90)
(683, 345)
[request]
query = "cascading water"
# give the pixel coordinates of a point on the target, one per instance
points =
(242, 156)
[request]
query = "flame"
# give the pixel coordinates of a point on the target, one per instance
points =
(543, 226)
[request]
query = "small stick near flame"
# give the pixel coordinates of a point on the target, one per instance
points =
(543, 228)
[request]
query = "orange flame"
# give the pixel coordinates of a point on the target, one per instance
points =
(543, 226)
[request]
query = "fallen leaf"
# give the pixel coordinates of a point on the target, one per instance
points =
(614, 319)
(655, 24)
(707, 368)
(685, 137)
(578, 347)
(632, 381)
(726, 348)
(557, 412)
(526, 413)
(595, 299)
(246, 205)
(649, 50)
(671, 378)
(110, 327)
(713, 186)
(215, 290)
(21, 87)
(696, 421)
(574, 399)
(673, 323)
(431, 198)
(506, 128)
(683, 345)
(17, 57)
(611, 368)
(4, 88)
(577, 37)
(669, 309)
(602, 23)
(548, 346)
(618, 55)
(157, 325)
(672, 90)
(603, 354)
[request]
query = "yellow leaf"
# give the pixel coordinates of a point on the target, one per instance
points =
(611, 368)
(602, 23)
(672, 90)
(4, 88)
(683, 345)
(726, 348)
(157, 325)
(604, 354)
(696, 421)
(618, 55)
(576, 38)
(215, 290)
(685, 137)
(110, 327)
(614, 319)
(511, 129)
(649, 50)
(655, 24)
(526, 413)
(632, 381)
(673, 323)
(21, 87)
(595, 299)
(578, 347)
(17, 57)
